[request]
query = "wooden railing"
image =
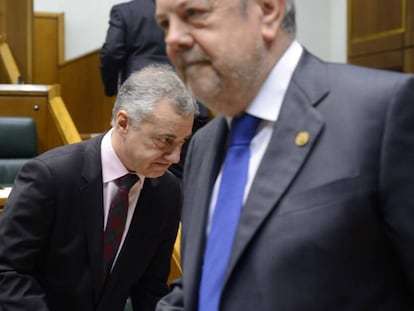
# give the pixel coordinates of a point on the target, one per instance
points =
(175, 267)
(63, 121)
(16, 24)
(12, 73)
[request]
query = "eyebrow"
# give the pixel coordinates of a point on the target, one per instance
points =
(166, 135)
(179, 5)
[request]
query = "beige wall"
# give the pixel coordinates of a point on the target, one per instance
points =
(321, 25)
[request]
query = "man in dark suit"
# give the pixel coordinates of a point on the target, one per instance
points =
(133, 40)
(52, 228)
(327, 219)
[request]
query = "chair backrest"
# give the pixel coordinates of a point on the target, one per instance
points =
(18, 143)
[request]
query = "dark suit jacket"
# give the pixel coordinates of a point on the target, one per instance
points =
(133, 40)
(328, 225)
(51, 237)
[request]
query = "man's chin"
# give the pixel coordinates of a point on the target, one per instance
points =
(202, 91)
(157, 171)
(197, 71)
(155, 174)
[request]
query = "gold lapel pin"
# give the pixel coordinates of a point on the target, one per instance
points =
(302, 138)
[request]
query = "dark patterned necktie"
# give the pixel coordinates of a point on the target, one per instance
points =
(227, 212)
(115, 224)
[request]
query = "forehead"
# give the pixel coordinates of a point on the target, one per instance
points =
(167, 5)
(164, 107)
(166, 9)
(164, 116)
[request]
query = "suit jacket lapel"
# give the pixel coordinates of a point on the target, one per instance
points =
(284, 157)
(91, 194)
(197, 200)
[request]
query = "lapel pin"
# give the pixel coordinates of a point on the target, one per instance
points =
(302, 138)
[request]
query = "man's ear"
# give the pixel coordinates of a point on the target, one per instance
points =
(273, 13)
(122, 120)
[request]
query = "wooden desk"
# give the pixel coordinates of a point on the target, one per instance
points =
(43, 103)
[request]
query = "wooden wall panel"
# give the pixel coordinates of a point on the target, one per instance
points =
(48, 49)
(381, 34)
(3, 74)
(82, 91)
(375, 17)
(375, 26)
(409, 33)
(3, 18)
(409, 60)
(390, 60)
(19, 34)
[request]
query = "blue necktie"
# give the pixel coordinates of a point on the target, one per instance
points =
(227, 212)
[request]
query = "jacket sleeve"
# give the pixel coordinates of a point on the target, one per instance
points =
(153, 285)
(174, 301)
(113, 52)
(396, 175)
(24, 228)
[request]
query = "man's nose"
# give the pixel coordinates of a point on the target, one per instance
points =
(174, 155)
(178, 37)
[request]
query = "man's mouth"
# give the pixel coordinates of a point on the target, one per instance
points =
(188, 61)
(163, 164)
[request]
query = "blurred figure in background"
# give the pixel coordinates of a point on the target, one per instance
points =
(133, 40)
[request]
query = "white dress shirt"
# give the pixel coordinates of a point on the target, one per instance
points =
(266, 106)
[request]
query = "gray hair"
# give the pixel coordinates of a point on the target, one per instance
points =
(144, 88)
(289, 20)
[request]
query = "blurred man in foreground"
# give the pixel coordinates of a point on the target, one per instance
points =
(298, 198)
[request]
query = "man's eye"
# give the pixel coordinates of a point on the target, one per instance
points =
(165, 141)
(194, 14)
(163, 24)
(191, 12)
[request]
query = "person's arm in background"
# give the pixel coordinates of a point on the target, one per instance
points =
(113, 52)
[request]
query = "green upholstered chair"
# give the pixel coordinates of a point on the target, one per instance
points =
(18, 143)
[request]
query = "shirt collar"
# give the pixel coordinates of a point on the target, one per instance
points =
(112, 167)
(268, 102)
